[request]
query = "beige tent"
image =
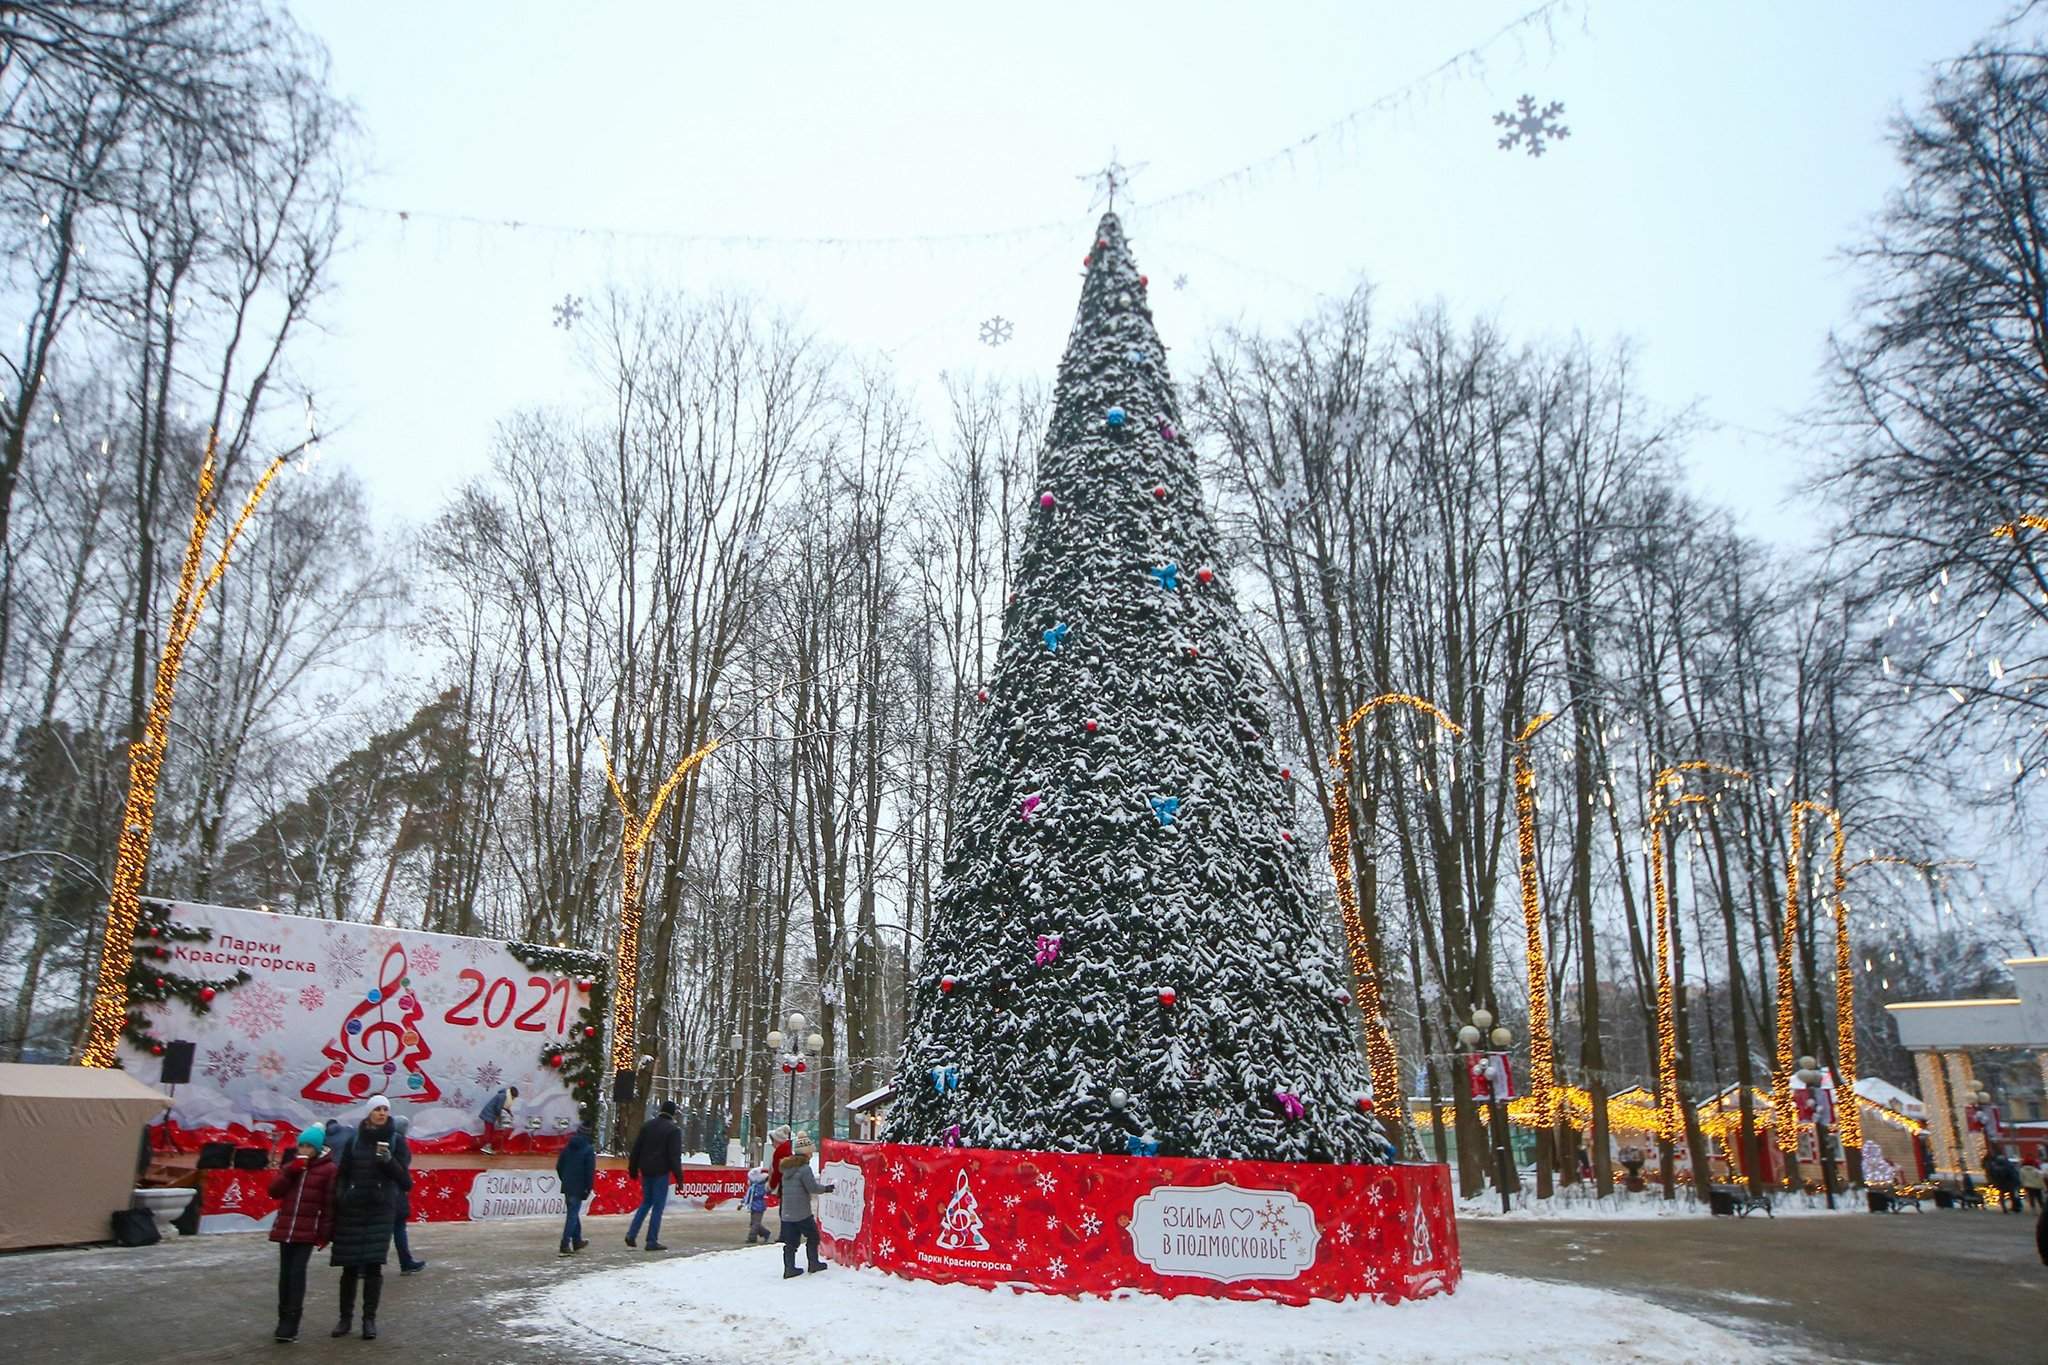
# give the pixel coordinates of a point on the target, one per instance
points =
(69, 1138)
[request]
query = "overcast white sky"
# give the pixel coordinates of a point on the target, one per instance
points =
(1720, 155)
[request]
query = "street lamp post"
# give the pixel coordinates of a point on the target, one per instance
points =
(1496, 1098)
(801, 1048)
(1809, 1072)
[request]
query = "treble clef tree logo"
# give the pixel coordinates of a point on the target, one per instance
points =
(380, 1055)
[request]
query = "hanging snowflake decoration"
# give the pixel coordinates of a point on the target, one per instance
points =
(258, 1009)
(997, 330)
(1350, 426)
(229, 1063)
(1527, 126)
(344, 962)
(568, 312)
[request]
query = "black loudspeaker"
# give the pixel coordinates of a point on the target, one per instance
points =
(216, 1156)
(251, 1158)
(177, 1063)
(623, 1087)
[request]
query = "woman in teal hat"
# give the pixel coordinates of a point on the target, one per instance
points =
(304, 1190)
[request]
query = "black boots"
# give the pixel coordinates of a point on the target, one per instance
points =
(287, 1329)
(373, 1290)
(341, 1329)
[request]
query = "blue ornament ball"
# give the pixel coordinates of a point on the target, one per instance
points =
(355, 1026)
(375, 995)
(1116, 417)
(415, 1080)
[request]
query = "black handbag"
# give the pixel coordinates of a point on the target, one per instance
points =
(136, 1228)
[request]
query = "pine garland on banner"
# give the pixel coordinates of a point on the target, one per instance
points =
(1128, 954)
(581, 1058)
(152, 982)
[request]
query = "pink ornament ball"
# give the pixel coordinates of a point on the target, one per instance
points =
(1046, 501)
(1166, 430)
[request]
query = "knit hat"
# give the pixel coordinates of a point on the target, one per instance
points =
(314, 1137)
(668, 1108)
(805, 1142)
(376, 1102)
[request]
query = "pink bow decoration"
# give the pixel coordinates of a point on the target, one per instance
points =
(1048, 949)
(1031, 804)
(1289, 1102)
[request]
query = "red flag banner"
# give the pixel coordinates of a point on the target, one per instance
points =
(1092, 1224)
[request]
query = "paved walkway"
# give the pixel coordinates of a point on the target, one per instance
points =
(1940, 1286)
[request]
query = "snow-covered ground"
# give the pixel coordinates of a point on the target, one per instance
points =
(733, 1306)
(1571, 1204)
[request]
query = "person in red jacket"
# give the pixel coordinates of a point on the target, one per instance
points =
(304, 1189)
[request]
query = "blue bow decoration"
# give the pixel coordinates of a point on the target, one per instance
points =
(945, 1078)
(1167, 808)
(1139, 1146)
(1168, 576)
(1054, 636)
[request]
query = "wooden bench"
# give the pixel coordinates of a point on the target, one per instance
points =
(1741, 1202)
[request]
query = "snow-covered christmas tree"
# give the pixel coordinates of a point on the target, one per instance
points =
(1128, 950)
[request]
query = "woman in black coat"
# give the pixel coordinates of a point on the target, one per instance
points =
(369, 1178)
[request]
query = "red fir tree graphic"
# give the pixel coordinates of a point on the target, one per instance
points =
(379, 1055)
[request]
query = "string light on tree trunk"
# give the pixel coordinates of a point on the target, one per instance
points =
(637, 832)
(1380, 1052)
(1784, 1115)
(1540, 1051)
(146, 755)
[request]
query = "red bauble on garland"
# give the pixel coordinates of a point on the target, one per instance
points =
(589, 1031)
(583, 986)
(156, 1049)
(206, 994)
(556, 1061)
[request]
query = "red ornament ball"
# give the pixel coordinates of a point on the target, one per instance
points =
(1144, 281)
(1159, 491)
(981, 695)
(1102, 243)
(153, 931)
(590, 1031)
(1087, 261)
(1287, 836)
(156, 1049)
(159, 983)
(1193, 652)
(802, 1067)
(1287, 774)
(1167, 996)
(583, 986)
(1204, 575)
(1365, 1104)
(555, 1061)
(159, 952)
(946, 984)
(1092, 726)
(206, 994)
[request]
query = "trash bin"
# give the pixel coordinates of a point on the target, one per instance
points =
(1880, 1202)
(1721, 1202)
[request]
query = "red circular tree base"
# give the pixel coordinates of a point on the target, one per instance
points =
(1090, 1224)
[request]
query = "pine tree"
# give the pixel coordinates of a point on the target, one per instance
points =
(1127, 949)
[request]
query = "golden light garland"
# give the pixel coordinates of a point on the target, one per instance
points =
(634, 836)
(1783, 1111)
(1380, 1052)
(1670, 1106)
(1540, 1049)
(1625, 1114)
(146, 758)
(2012, 528)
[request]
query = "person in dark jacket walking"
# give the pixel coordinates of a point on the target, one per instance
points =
(496, 1114)
(799, 1222)
(656, 1159)
(368, 1178)
(402, 1149)
(304, 1191)
(576, 1170)
(757, 1205)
